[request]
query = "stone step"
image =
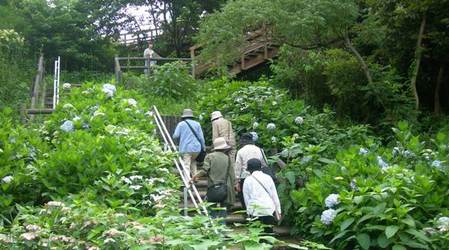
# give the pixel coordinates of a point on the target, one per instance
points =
(237, 206)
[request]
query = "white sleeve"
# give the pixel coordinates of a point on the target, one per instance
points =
(238, 165)
(246, 191)
(274, 195)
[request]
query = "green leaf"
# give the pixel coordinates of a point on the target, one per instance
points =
(418, 234)
(338, 236)
(364, 240)
(383, 241)
(345, 224)
(399, 247)
(291, 177)
(390, 231)
(409, 221)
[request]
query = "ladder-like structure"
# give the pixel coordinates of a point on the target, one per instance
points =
(189, 188)
(259, 48)
(45, 97)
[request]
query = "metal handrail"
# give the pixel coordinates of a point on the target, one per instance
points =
(56, 82)
(179, 163)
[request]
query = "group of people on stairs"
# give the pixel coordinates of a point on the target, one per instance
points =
(225, 167)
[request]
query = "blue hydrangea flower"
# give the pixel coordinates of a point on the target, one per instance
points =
(363, 151)
(382, 164)
(254, 135)
(328, 216)
(67, 126)
(436, 164)
(332, 200)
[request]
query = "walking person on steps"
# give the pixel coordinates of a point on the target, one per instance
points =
(261, 196)
(191, 140)
(219, 170)
(223, 128)
(247, 151)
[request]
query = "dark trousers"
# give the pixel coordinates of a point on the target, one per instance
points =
(240, 194)
(267, 220)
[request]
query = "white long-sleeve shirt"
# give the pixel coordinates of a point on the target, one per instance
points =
(243, 155)
(258, 201)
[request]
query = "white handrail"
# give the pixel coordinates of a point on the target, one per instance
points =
(56, 79)
(185, 175)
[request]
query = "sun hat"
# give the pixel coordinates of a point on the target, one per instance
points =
(216, 115)
(220, 144)
(187, 113)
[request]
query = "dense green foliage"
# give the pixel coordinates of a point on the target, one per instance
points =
(15, 71)
(368, 60)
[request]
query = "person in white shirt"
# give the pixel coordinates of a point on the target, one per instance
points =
(248, 151)
(149, 54)
(260, 195)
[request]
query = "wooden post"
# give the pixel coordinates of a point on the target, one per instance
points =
(37, 81)
(118, 71)
(192, 57)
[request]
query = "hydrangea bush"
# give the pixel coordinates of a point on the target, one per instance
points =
(374, 196)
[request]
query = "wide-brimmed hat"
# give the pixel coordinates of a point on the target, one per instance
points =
(187, 113)
(215, 115)
(220, 144)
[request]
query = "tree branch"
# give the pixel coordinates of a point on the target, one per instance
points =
(359, 58)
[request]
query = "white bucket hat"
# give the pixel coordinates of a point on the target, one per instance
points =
(215, 115)
(220, 144)
(187, 113)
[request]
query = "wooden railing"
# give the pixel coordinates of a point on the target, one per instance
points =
(136, 37)
(258, 48)
(119, 67)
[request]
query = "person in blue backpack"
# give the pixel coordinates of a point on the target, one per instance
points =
(191, 141)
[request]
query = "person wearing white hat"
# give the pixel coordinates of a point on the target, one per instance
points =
(191, 140)
(218, 168)
(223, 128)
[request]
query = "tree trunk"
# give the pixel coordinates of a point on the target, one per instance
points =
(437, 106)
(418, 56)
(359, 59)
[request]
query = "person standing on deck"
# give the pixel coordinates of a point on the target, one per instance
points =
(223, 128)
(187, 131)
(217, 166)
(149, 54)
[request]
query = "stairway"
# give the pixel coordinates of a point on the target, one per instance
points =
(237, 217)
(259, 49)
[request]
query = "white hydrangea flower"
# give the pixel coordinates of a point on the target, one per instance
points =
(7, 179)
(149, 113)
(136, 177)
(135, 187)
(274, 103)
(363, 151)
(409, 154)
(254, 135)
(274, 139)
(328, 216)
(67, 126)
(126, 180)
(396, 151)
(55, 204)
(68, 106)
(255, 125)
(109, 89)
(332, 200)
(29, 236)
(76, 118)
(382, 164)
(32, 228)
(271, 126)
(66, 86)
(443, 224)
(98, 113)
(299, 120)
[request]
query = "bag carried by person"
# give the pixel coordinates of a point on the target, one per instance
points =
(267, 169)
(202, 154)
(219, 192)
